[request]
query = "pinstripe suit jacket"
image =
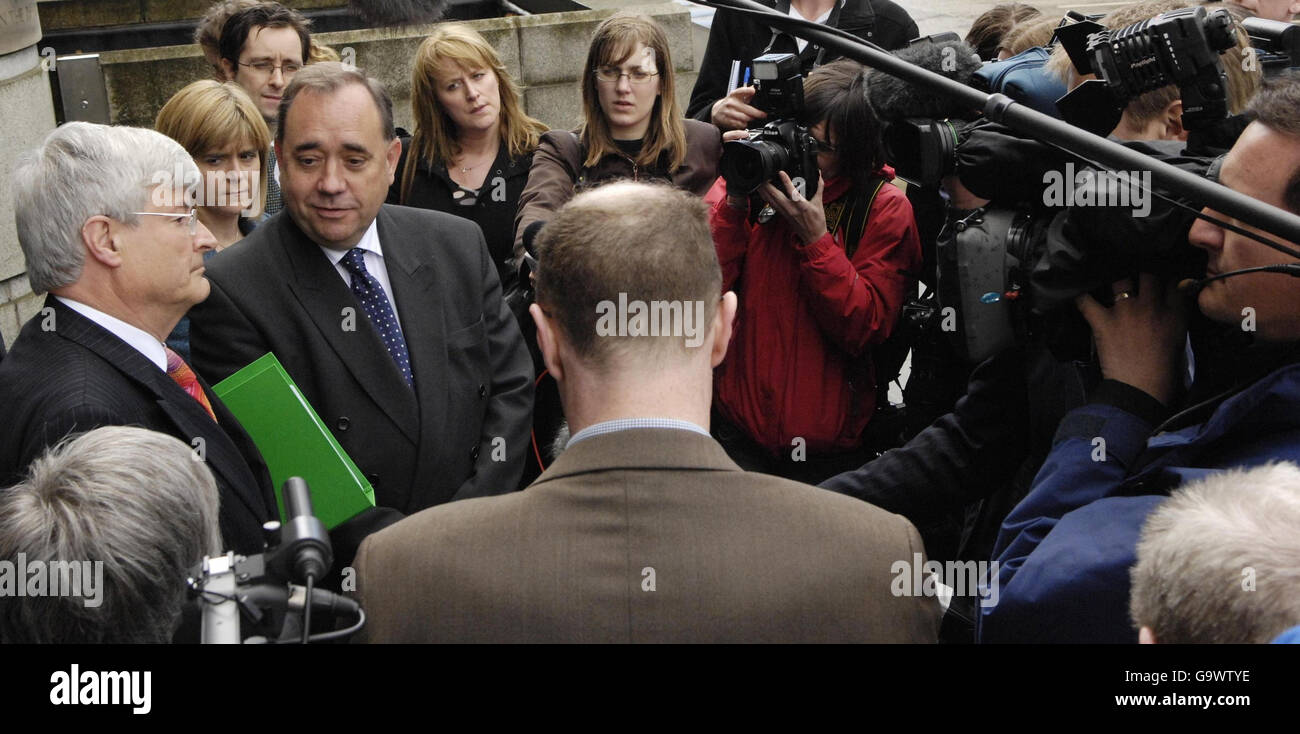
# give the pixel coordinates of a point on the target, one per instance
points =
(645, 535)
(77, 376)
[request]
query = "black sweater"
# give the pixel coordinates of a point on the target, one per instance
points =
(738, 37)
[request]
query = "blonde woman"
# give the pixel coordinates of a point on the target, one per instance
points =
(223, 131)
(473, 144)
(220, 127)
(632, 127)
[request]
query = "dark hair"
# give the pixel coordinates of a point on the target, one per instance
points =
(644, 242)
(988, 30)
(269, 15)
(331, 76)
(1275, 107)
(837, 93)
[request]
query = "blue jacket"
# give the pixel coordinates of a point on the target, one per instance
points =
(1065, 551)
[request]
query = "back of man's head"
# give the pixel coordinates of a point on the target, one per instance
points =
(629, 274)
(1219, 561)
(116, 518)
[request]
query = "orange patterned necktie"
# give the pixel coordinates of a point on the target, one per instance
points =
(182, 375)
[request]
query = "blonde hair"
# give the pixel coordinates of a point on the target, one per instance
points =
(434, 139)
(612, 43)
(208, 115)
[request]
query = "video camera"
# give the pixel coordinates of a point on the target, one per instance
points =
(1276, 44)
(243, 594)
(1179, 47)
(783, 144)
(1009, 267)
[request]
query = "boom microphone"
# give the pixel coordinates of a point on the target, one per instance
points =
(398, 12)
(1193, 287)
(946, 54)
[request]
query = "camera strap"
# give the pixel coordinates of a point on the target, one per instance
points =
(853, 212)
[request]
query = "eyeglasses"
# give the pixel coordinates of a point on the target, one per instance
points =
(613, 74)
(821, 146)
(287, 69)
(191, 219)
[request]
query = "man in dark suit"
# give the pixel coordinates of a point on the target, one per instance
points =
(642, 530)
(389, 319)
(121, 260)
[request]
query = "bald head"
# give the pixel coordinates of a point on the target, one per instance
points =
(629, 268)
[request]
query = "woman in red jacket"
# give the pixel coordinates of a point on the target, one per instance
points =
(797, 387)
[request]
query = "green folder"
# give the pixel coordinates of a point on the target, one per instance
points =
(294, 441)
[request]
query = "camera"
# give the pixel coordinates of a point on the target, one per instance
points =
(1179, 47)
(1276, 44)
(780, 145)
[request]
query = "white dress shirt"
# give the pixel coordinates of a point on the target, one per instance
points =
(374, 258)
(141, 340)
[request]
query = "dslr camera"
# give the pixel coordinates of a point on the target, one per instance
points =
(780, 145)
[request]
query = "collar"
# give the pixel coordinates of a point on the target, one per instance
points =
(628, 424)
(139, 339)
(640, 450)
(369, 242)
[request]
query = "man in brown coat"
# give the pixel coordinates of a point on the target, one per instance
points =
(642, 530)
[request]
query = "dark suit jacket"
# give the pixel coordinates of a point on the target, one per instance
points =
(462, 432)
(648, 535)
(76, 376)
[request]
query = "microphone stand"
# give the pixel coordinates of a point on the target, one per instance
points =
(1001, 108)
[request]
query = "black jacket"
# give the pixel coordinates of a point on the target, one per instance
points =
(494, 210)
(739, 37)
(462, 431)
(77, 376)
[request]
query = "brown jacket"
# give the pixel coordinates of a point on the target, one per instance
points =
(557, 173)
(645, 535)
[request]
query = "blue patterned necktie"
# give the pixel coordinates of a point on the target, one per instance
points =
(375, 302)
(274, 202)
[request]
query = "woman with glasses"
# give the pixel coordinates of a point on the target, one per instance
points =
(632, 127)
(824, 280)
(223, 131)
(473, 144)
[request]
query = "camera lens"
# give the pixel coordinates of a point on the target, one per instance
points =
(746, 164)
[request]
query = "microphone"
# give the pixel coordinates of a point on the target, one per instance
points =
(1193, 287)
(322, 600)
(894, 99)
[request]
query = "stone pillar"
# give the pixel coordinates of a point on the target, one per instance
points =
(29, 115)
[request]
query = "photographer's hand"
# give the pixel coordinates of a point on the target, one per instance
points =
(733, 112)
(806, 216)
(1140, 338)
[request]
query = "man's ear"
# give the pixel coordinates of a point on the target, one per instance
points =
(227, 69)
(97, 237)
(394, 154)
(723, 318)
(546, 342)
(1172, 121)
(1146, 636)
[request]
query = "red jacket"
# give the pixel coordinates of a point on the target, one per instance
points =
(799, 363)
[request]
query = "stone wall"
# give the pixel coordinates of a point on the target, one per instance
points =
(544, 52)
(29, 115)
(61, 14)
